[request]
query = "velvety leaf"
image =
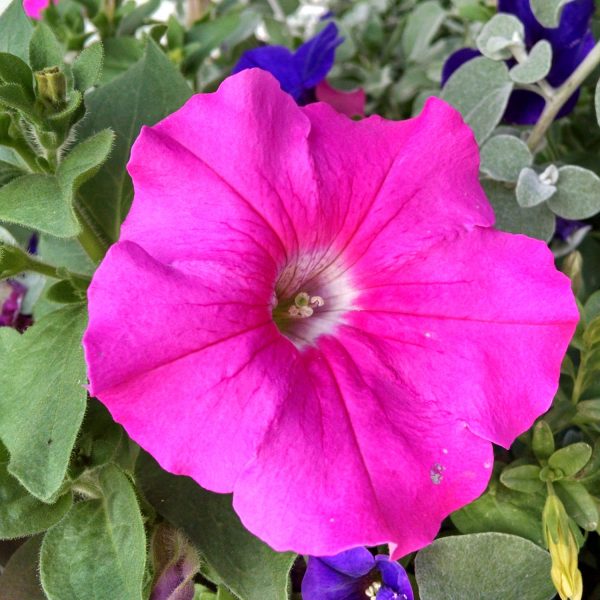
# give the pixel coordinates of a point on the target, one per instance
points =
(20, 578)
(15, 70)
(136, 18)
(119, 55)
(99, 549)
(44, 48)
(8, 172)
(21, 514)
(15, 30)
(577, 193)
(531, 191)
(505, 511)
(423, 22)
(480, 89)
(536, 66)
(37, 201)
(547, 12)
(571, 459)
(84, 160)
(538, 221)
(87, 67)
(523, 478)
(484, 565)
(497, 34)
(504, 156)
(12, 95)
(146, 93)
(42, 399)
(542, 442)
(244, 564)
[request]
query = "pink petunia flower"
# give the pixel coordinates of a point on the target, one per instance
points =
(351, 104)
(316, 314)
(34, 8)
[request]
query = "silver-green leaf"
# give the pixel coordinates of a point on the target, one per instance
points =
(536, 66)
(504, 156)
(577, 193)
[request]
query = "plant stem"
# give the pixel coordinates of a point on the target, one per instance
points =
(561, 95)
(55, 272)
(90, 241)
(277, 10)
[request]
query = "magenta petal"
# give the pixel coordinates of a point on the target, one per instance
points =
(351, 104)
(34, 8)
(429, 335)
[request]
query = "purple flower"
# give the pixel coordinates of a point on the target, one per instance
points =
(11, 298)
(355, 575)
(571, 42)
(298, 72)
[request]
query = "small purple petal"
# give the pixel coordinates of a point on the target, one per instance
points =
(11, 295)
(298, 73)
(340, 577)
(457, 59)
(394, 577)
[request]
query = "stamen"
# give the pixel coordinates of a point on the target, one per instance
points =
(372, 590)
(304, 305)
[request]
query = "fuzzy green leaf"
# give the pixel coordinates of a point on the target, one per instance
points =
(577, 193)
(503, 157)
(571, 459)
(15, 30)
(14, 70)
(536, 66)
(547, 12)
(243, 563)
(523, 478)
(531, 190)
(87, 67)
(498, 34)
(37, 201)
(42, 399)
(44, 48)
(21, 514)
(99, 549)
(484, 565)
(423, 22)
(480, 90)
(537, 221)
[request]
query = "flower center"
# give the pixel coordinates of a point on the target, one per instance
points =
(310, 301)
(371, 591)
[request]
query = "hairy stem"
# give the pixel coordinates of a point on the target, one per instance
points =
(561, 95)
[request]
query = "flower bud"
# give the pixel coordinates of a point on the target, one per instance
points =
(563, 550)
(52, 86)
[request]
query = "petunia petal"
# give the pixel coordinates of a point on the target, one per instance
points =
(465, 318)
(394, 577)
(351, 104)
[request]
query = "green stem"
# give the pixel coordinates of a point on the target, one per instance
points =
(561, 95)
(90, 241)
(55, 272)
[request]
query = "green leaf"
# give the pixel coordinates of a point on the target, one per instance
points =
(577, 193)
(542, 442)
(119, 55)
(498, 34)
(12, 95)
(15, 30)
(423, 22)
(504, 156)
(547, 12)
(13, 260)
(21, 514)
(570, 459)
(145, 94)
(42, 399)
(484, 565)
(588, 412)
(532, 190)
(523, 478)
(580, 506)
(87, 67)
(20, 577)
(136, 18)
(224, 594)
(243, 563)
(84, 160)
(14, 70)
(480, 89)
(44, 48)
(538, 221)
(8, 172)
(536, 66)
(99, 549)
(504, 511)
(37, 201)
